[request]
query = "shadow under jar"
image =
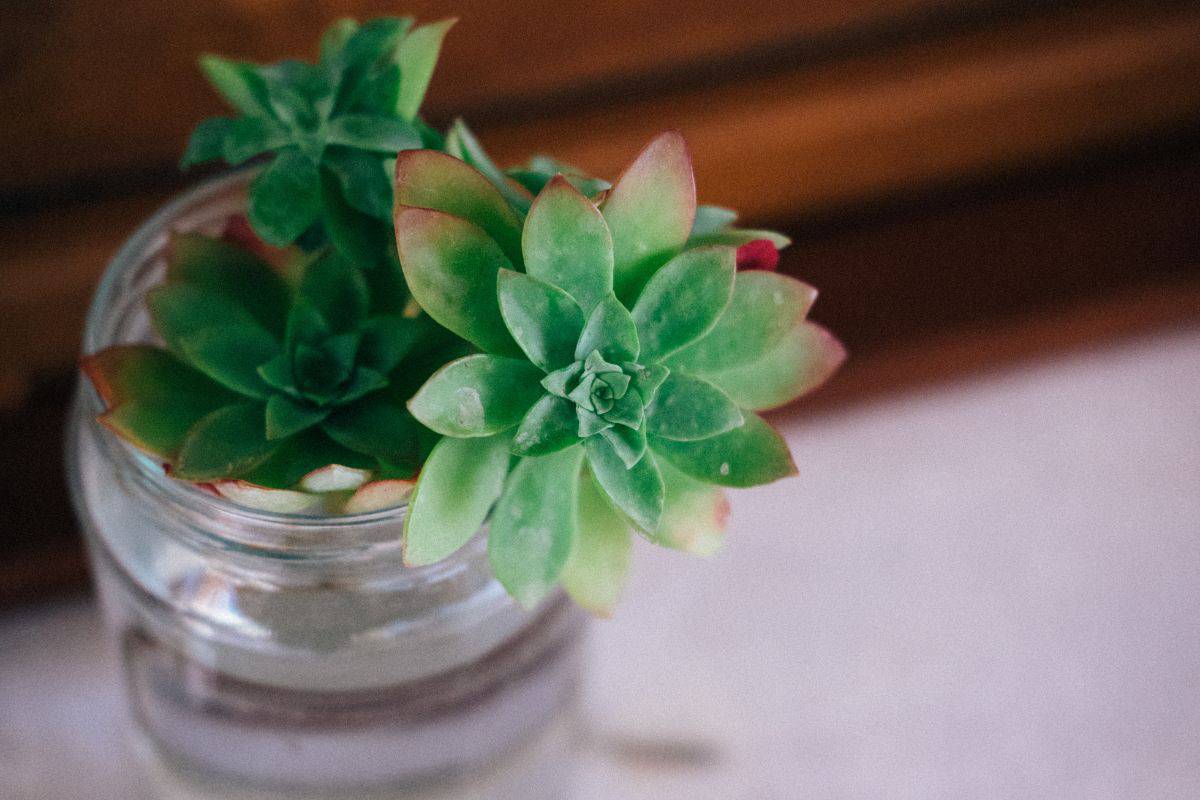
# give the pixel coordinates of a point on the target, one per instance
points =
(270, 655)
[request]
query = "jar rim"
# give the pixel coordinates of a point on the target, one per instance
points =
(101, 331)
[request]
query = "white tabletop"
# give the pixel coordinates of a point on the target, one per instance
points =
(988, 589)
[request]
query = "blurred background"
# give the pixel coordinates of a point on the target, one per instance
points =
(974, 185)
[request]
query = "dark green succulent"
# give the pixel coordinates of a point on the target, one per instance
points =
(331, 129)
(275, 388)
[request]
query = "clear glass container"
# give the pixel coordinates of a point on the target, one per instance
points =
(271, 655)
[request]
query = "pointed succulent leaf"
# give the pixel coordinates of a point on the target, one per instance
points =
(378, 495)
(559, 382)
(462, 144)
(711, 219)
(591, 423)
(248, 137)
(357, 236)
(180, 310)
(694, 513)
(417, 55)
(763, 308)
(366, 182)
(599, 563)
(533, 527)
(337, 290)
(334, 38)
(371, 132)
(428, 179)
(207, 141)
(628, 411)
(477, 396)
(300, 455)
(238, 83)
(628, 443)
(740, 237)
(153, 398)
(650, 211)
(749, 455)
(611, 331)
(566, 243)
(262, 498)
(227, 443)
(542, 169)
(803, 359)
(232, 271)
(688, 409)
(457, 486)
(452, 267)
(335, 478)
(647, 380)
(376, 426)
(286, 198)
(542, 318)
(362, 382)
(549, 426)
(286, 417)
(683, 301)
(231, 356)
(637, 492)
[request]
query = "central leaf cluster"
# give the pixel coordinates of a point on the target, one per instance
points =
(606, 395)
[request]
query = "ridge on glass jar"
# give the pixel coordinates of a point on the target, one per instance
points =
(297, 654)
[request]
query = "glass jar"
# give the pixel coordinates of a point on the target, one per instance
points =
(270, 655)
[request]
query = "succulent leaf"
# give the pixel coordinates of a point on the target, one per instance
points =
(456, 488)
(478, 395)
(694, 513)
(550, 425)
(749, 455)
(534, 524)
(180, 310)
(231, 355)
(542, 318)
(637, 492)
(417, 55)
(650, 212)
(238, 83)
(232, 271)
(683, 301)
(566, 243)
(285, 200)
(689, 409)
(372, 132)
(763, 308)
(452, 268)
(611, 332)
(226, 443)
(428, 179)
(286, 417)
(462, 144)
(803, 359)
(595, 573)
(153, 398)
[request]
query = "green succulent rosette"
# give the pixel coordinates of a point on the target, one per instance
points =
(622, 361)
(330, 129)
(282, 388)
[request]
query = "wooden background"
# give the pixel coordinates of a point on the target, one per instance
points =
(947, 168)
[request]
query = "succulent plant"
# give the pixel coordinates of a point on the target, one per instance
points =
(282, 389)
(331, 128)
(623, 358)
